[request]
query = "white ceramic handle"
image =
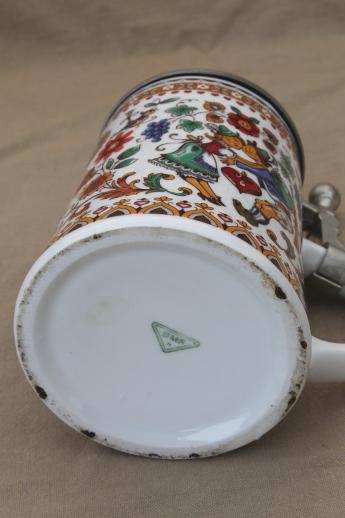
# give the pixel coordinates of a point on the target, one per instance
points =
(327, 358)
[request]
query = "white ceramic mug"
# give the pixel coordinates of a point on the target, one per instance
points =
(167, 316)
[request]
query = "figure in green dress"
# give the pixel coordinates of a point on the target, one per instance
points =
(196, 166)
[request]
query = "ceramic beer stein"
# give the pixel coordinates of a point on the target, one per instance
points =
(167, 316)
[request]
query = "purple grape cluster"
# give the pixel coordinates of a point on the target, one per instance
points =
(155, 130)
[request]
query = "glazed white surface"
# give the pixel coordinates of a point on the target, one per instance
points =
(88, 339)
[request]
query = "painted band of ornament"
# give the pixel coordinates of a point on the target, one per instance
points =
(204, 213)
(227, 162)
(203, 87)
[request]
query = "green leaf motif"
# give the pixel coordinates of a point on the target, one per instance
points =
(148, 105)
(169, 100)
(189, 125)
(181, 110)
(125, 163)
(153, 182)
(129, 152)
(109, 164)
(286, 195)
(254, 120)
(236, 110)
(223, 130)
(286, 166)
(264, 153)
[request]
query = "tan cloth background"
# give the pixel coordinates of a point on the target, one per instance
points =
(63, 65)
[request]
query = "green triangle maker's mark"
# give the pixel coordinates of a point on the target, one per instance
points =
(171, 340)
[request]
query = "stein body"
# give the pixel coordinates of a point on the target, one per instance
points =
(167, 316)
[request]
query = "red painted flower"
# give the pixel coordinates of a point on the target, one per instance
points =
(114, 144)
(247, 125)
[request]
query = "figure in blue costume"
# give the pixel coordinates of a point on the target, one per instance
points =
(270, 181)
(257, 162)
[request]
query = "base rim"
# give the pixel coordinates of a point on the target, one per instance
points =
(97, 231)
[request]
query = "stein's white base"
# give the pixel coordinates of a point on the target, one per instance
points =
(84, 334)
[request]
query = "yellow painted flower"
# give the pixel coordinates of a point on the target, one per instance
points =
(212, 106)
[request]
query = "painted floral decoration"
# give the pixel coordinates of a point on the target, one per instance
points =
(165, 149)
(245, 124)
(97, 182)
(213, 109)
(213, 106)
(115, 144)
(214, 117)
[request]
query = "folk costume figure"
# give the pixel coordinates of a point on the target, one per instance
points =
(193, 162)
(255, 161)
